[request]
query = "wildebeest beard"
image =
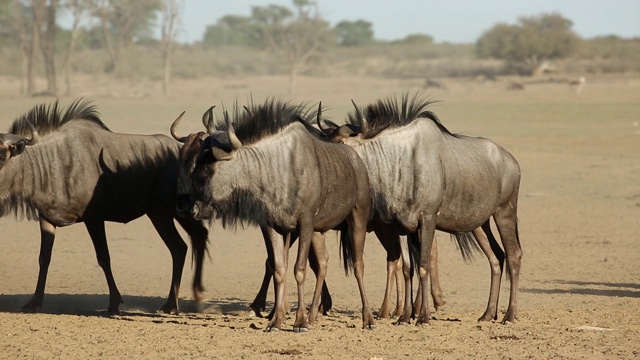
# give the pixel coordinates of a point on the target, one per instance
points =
(241, 207)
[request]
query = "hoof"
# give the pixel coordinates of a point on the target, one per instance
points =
(272, 329)
(300, 329)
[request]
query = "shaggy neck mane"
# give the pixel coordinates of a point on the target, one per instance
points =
(49, 118)
(394, 112)
(265, 120)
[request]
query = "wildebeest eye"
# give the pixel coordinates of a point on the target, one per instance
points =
(17, 148)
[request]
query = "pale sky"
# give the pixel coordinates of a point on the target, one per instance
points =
(446, 20)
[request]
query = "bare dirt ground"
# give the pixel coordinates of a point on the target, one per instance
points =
(579, 223)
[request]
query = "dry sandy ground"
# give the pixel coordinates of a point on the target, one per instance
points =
(579, 222)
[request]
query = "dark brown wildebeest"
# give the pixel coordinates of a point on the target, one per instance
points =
(423, 178)
(275, 172)
(80, 171)
(190, 151)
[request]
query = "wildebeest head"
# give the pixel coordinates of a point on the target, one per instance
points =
(187, 159)
(351, 133)
(12, 145)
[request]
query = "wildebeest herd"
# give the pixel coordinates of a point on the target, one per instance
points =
(393, 168)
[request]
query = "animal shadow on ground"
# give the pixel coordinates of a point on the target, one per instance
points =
(91, 304)
(591, 288)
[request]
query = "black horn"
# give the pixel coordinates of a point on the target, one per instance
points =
(174, 126)
(207, 120)
(364, 126)
(34, 134)
(233, 139)
(321, 123)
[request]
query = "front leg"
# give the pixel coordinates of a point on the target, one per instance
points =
(279, 278)
(426, 232)
(47, 236)
(306, 233)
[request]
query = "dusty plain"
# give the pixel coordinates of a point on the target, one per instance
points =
(579, 218)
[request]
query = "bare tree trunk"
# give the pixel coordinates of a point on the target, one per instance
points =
(23, 44)
(170, 13)
(31, 52)
(44, 19)
(76, 10)
(293, 77)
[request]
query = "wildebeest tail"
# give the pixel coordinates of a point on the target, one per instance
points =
(414, 252)
(348, 256)
(467, 245)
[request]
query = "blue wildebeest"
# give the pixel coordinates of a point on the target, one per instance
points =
(189, 152)
(273, 171)
(80, 171)
(423, 178)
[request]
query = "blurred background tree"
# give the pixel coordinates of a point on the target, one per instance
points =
(530, 44)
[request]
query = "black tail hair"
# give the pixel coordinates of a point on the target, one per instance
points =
(467, 245)
(348, 256)
(414, 252)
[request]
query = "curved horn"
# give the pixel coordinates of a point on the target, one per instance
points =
(207, 119)
(364, 126)
(231, 134)
(34, 134)
(321, 123)
(174, 126)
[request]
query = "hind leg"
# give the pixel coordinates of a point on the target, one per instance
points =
(165, 226)
(434, 275)
(47, 236)
(326, 302)
(198, 235)
(390, 241)
(259, 302)
(321, 256)
(482, 236)
(426, 232)
(507, 223)
(358, 231)
(99, 238)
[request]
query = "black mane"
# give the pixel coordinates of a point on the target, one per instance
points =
(49, 118)
(263, 120)
(394, 112)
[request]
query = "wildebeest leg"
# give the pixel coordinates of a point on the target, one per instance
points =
(99, 238)
(198, 235)
(326, 302)
(358, 232)
(436, 291)
(306, 234)
(321, 256)
(279, 277)
(407, 309)
(47, 236)
(166, 228)
(260, 301)
(507, 223)
(390, 241)
(495, 263)
(426, 232)
(399, 288)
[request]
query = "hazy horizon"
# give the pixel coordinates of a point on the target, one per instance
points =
(456, 21)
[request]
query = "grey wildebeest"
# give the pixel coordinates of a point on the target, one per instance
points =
(273, 171)
(423, 178)
(74, 169)
(189, 152)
